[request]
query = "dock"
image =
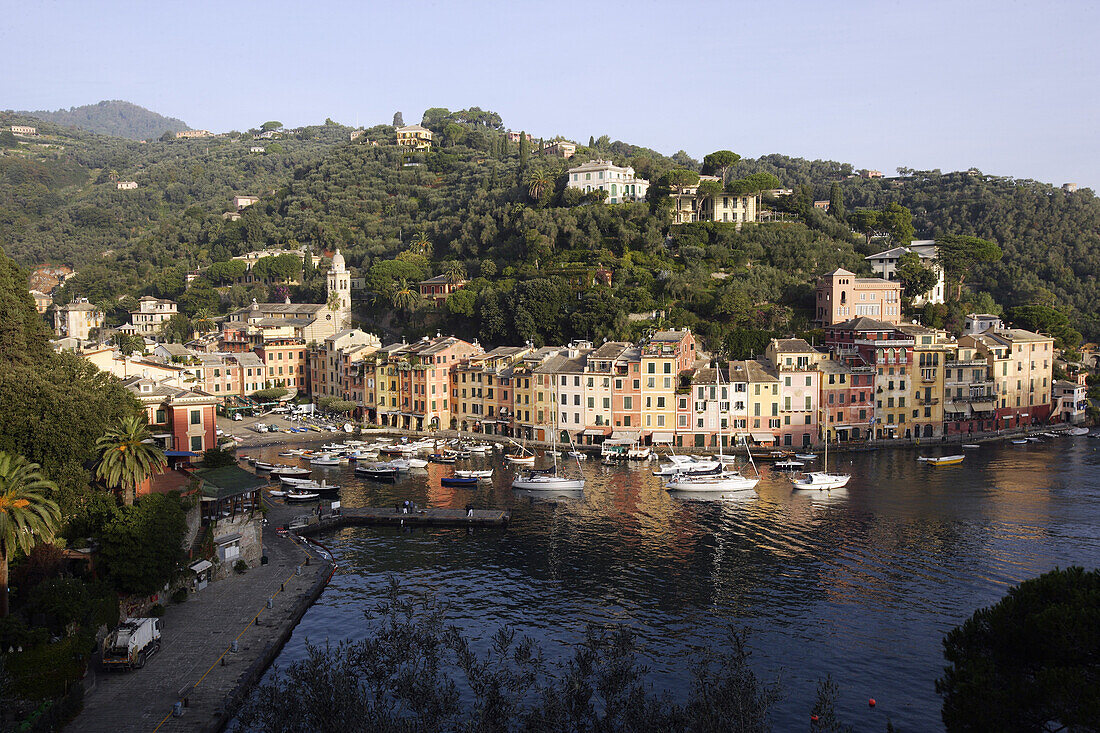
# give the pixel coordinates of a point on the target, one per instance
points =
(390, 516)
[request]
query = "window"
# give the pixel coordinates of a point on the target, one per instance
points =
(196, 444)
(196, 417)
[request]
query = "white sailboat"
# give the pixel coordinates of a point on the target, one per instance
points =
(821, 479)
(548, 479)
(721, 485)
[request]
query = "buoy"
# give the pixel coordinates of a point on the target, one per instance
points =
(813, 718)
(871, 702)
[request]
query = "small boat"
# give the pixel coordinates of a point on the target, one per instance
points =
(325, 459)
(292, 471)
(1077, 431)
(276, 492)
(300, 496)
(970, 445)
(545, 480)
(722, 485)
(458, 481)
(378, 471)
(640, 453)
(788, 465)
(290, 453)
(525, 460)
(333, 447)
(479, 448)
(486, 473)
(442, 458)
(1022, 441)
(415, 462)
(577, 455)
(806, 456)
(942, 460)
(313, 486)
(821, 479)
(261, 466)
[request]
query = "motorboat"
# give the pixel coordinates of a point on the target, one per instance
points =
(361, 455)
(970, 446)
(458, 481)
(942, 460)
(640, 453)
(301, 496)
(788, 465)
(333, 447)
(325, 459)
(806, 456)
(261, 466)
(485, 473)
(479, 447)
(377, 471)
(415, 462)
(313, 486)
(1022, 441)
(1077, 431)
(292, 471)
(690, 468)
(445, 458)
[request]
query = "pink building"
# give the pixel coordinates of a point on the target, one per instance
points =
(841, 296)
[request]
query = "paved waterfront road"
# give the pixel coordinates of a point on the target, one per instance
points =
(195, 636)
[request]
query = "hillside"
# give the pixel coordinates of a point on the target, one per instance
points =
(115, 117)
(480, 205)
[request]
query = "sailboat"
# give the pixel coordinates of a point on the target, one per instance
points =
(721, 485)
(548, 479)
(821, 479)
(524, 457)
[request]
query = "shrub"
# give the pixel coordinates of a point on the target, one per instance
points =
(180, 595)
(157, 611)
(240, 566)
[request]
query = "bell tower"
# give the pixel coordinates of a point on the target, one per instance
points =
(339, 290)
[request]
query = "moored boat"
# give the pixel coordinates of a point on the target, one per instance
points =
(458, 481)
(485, 473)
(942, 460)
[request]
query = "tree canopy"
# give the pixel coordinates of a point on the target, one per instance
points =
(1031, 662)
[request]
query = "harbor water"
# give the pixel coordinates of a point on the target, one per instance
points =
(860, 583)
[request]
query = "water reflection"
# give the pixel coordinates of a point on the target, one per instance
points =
(860, 582)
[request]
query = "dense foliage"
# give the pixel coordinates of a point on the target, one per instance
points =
(530, 246)
(1029, 663)
(413, 672)
(114, 117)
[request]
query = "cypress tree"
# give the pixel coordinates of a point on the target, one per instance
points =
(836, 202)
(524, 150)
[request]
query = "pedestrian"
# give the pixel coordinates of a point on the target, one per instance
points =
(469, 510)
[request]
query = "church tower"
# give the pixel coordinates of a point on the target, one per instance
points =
(339, 284)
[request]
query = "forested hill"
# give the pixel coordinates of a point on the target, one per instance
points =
(114, 117)
(500, 212)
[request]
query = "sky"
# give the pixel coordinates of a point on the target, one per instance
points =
(1007, 87)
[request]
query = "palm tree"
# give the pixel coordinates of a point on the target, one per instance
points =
(404, 297)
(128, 343)
(455, 271)
(203, 320)
(27, 515)
(538, 182)
(422, 245)
(128, 456)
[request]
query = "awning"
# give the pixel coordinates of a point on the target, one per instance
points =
(983, 406)
(226, 539)
(595, 431)
(180, 454)
(950, 406)
(627, 435)
(201, 565)
(763, 437)
(661, 438)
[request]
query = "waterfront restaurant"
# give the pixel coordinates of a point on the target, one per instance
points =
(227, 492)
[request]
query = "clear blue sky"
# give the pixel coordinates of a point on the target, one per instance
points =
(1005, 86)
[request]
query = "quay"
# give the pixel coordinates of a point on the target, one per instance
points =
(197, 666)
(390, 516)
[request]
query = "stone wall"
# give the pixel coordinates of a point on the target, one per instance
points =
(250, 529)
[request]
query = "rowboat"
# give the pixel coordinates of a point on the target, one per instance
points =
(458, 481)
(942, 460)
(300, 496)
(487, 473)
